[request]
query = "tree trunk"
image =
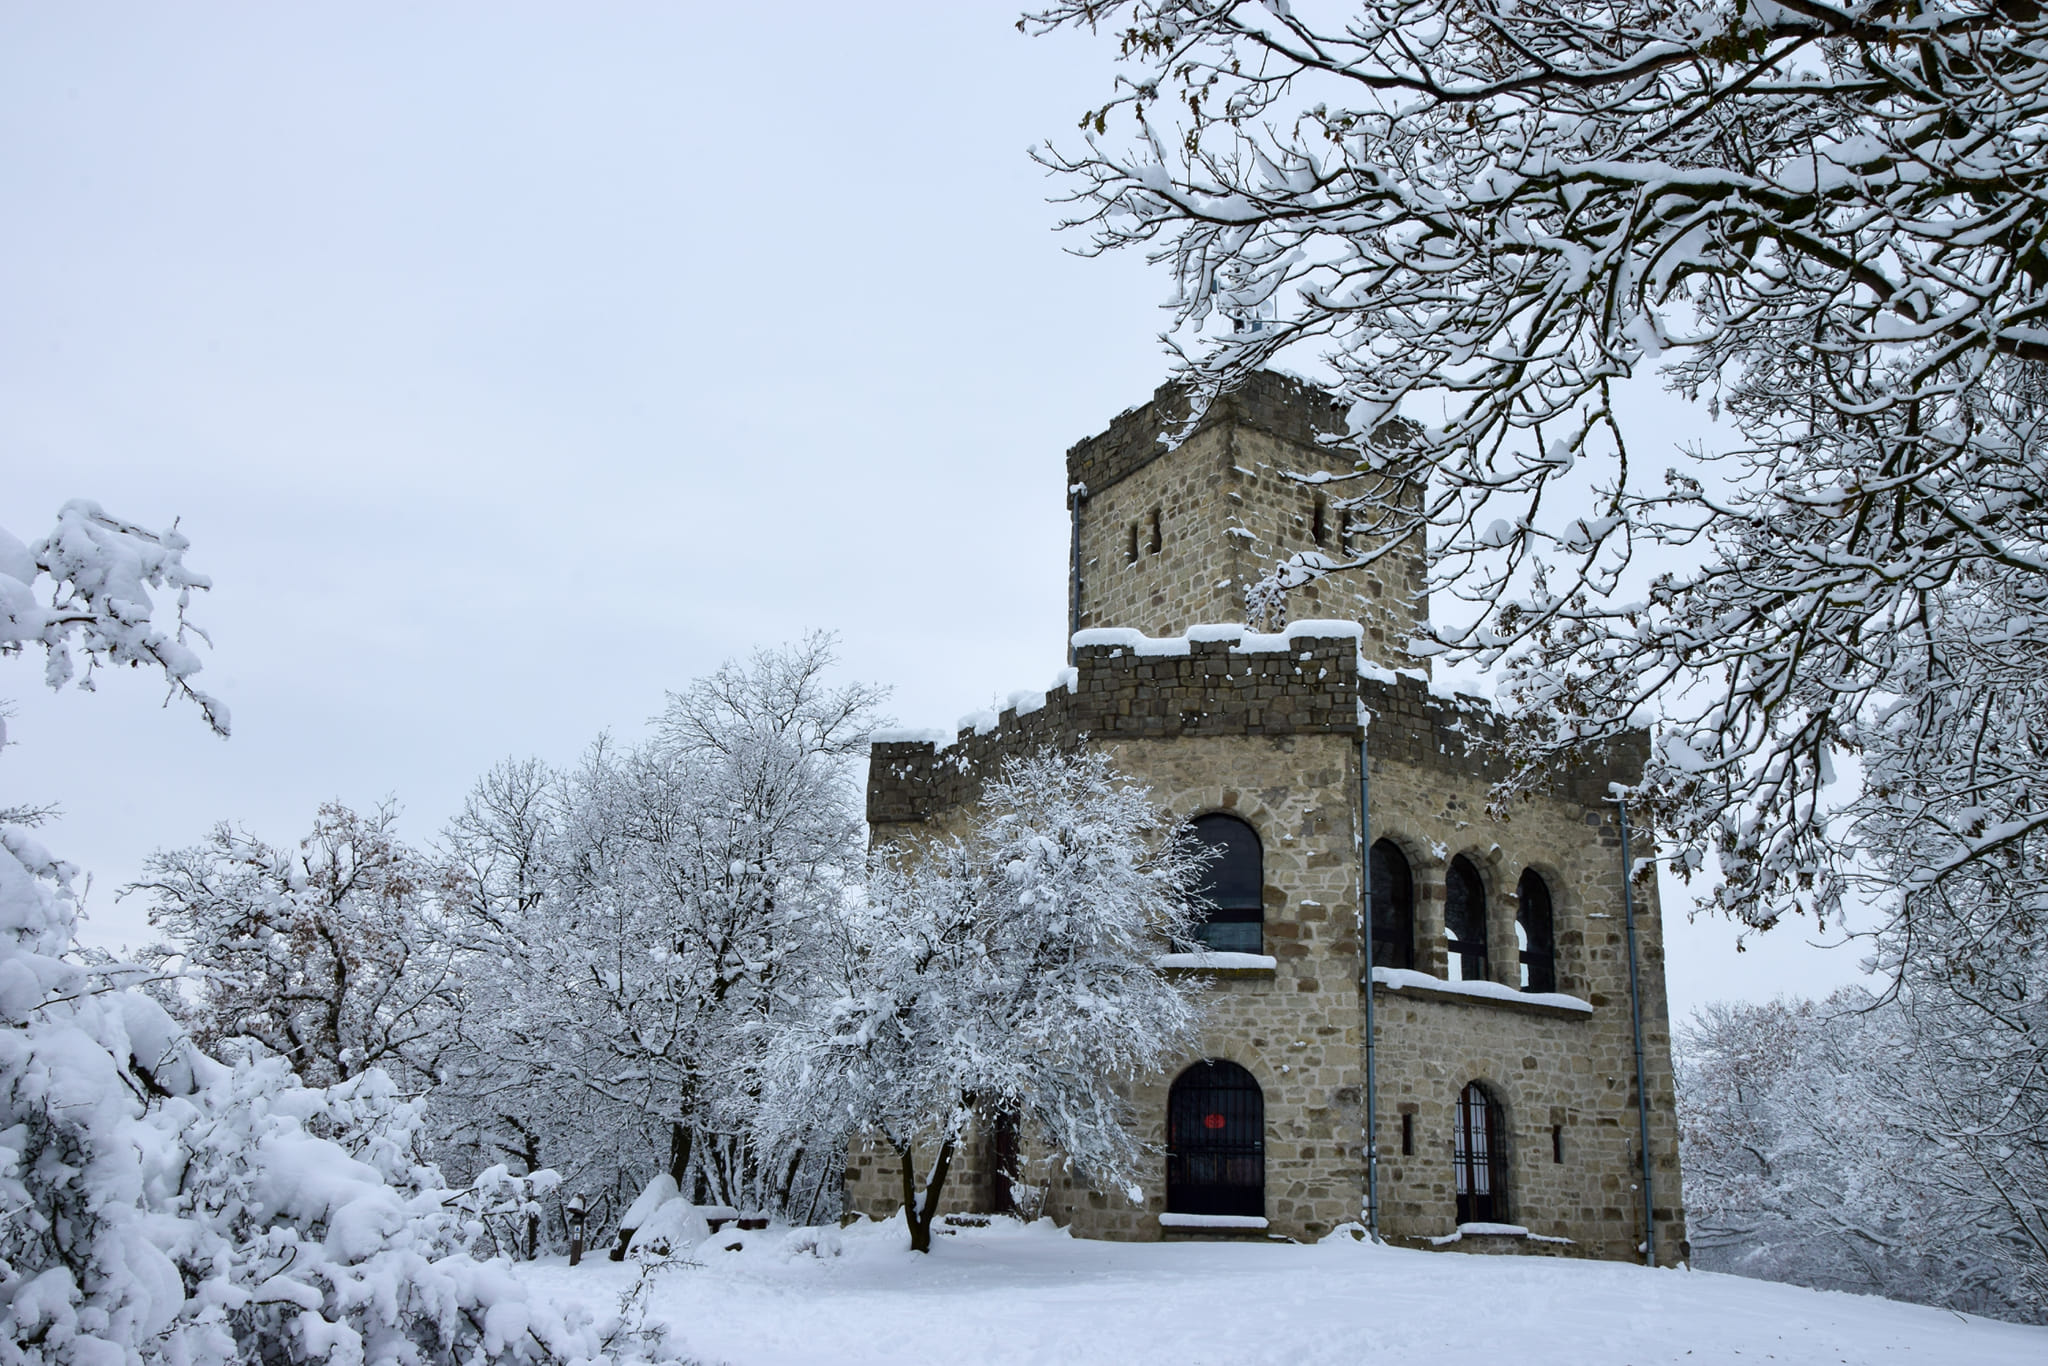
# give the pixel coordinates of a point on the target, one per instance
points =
(918, 1213)
(678, 1153)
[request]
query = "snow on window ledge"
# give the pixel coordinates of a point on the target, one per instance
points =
(1406, 979)
(1243, 1221)
(1481, 1230)
(1465, 1231)
(1216, 962)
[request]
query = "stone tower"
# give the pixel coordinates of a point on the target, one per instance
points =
(1500, 1062)
(1171, 538)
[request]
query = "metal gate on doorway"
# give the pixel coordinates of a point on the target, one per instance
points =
(1216, 1142)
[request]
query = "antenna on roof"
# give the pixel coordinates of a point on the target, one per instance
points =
(1245, 319)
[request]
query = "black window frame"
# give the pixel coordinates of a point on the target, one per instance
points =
(1231, 892)
(1465, 922)
(1479, 1159)
(1216, 1141)
(1536, 932)
(1393, 906)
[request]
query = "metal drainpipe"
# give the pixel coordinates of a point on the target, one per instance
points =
(1077, 494)
(1372, 1083)
(1635, 1010)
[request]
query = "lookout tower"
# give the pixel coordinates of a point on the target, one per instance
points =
(1171, 535)
(1377, 950)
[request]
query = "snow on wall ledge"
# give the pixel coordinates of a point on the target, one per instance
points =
(1406, 979)
(1240, 639)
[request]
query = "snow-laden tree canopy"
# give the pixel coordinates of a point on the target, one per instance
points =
(1824, 221)
(637, 928)
(1857, 1144)
(1010, 972)
(332, 955)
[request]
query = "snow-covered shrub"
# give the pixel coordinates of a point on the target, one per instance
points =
(505, 1211)
(820, 1241)
(673, 1230)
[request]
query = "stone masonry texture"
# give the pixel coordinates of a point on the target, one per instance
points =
(1274, 738)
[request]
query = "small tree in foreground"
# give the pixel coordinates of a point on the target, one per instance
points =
(1008, 972)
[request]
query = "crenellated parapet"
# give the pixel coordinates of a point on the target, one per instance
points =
(1216, 680)
(1213, 681)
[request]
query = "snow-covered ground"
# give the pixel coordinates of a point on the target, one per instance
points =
(1009, 1293)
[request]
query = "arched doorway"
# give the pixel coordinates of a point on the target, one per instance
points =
(1480, 1159)
(1216, 1142)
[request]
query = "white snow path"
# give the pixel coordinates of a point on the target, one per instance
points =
(1011, 1295)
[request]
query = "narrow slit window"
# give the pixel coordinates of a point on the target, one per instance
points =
(1131, 555)
(1158, 538)
(1408, 1135)
(1557, 1143)
(1320, 527)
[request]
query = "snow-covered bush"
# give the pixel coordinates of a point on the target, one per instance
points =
(1009, 972)
(157, 1205)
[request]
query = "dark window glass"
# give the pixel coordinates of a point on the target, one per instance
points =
(1407, 1135)
(1393, 908)
(1534, 937)
(1557, 1143)
(1464, 922)
(1478, 1159)
(1215, 1142)
(1232, 890)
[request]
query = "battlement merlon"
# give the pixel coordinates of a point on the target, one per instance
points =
(1215, 680)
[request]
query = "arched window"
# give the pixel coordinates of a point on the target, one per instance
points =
(1232, 890)
(1534, 937)
(1480, 1159)
(1465, 922)
(1216, 1142)
(1393, 907)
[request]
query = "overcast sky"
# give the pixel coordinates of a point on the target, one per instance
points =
(511, 364)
